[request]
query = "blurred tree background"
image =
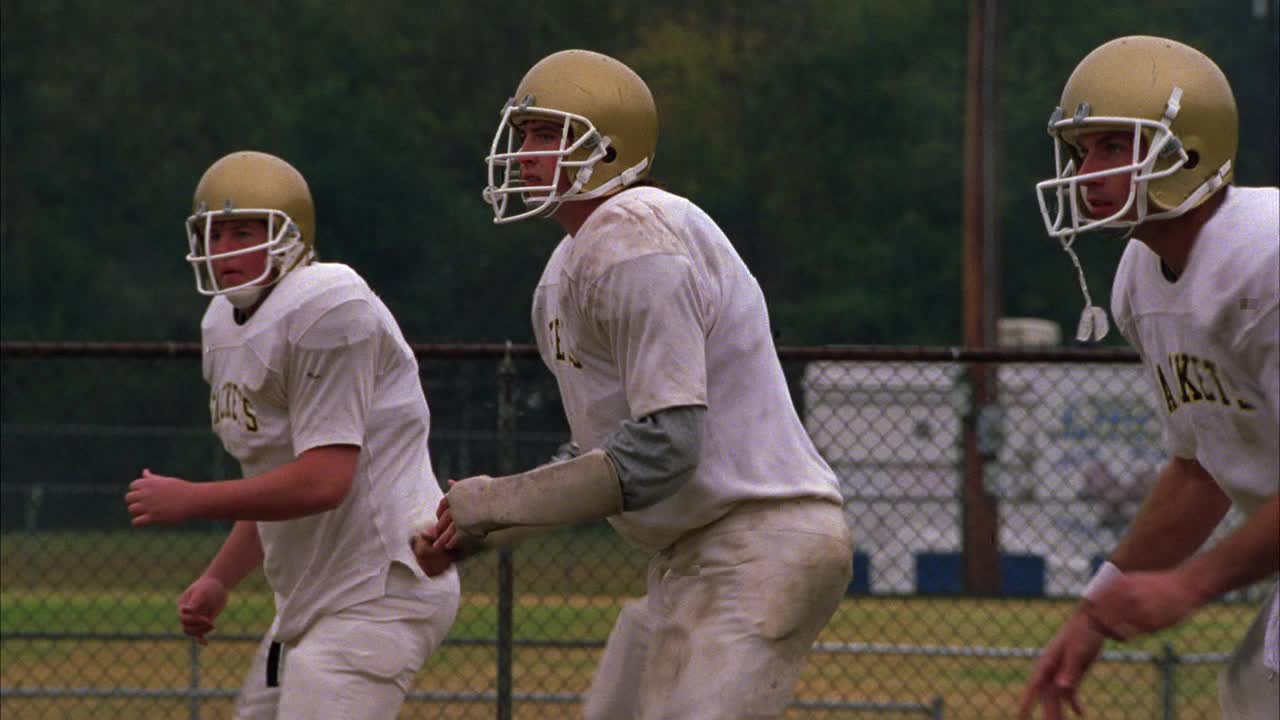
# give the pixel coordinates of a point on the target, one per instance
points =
(826, 136)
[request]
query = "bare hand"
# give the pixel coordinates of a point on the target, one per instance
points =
(159, 499)
(1059, 671)
(199, 605)
(431, 559)
(446, 532)
(1139, 603)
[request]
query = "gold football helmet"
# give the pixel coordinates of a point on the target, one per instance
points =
(1182, 114)
(252, 185)
(609, 132)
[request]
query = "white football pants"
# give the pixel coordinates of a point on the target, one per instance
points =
(1247, 690)
(731, 612)
(357, 664)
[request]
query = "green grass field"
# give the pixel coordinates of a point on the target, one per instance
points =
(568, 588)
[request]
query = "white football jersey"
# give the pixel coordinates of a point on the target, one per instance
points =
(650, 307)
(322, 362)
(1209, 340)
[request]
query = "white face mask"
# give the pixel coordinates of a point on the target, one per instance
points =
(1067, 218)
(283, 245)
(1067, 214)
(542, 200)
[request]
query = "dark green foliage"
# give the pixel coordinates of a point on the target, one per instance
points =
(827, 139)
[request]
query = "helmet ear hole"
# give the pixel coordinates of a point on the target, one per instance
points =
(610, 155)
(1193, 159)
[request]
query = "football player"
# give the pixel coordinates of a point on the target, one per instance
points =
(315, 391)
(658, 337)
(1145, 138)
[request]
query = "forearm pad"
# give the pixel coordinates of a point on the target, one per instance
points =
(469, 545)
(584, 488)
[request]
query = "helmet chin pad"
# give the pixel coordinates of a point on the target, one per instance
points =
(244, 298)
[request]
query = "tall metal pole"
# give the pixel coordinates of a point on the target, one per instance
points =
(981, 297)
(506, 566)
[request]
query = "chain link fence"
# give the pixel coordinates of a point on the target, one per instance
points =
(982, 487)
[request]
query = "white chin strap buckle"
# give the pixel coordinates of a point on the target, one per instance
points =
(1093, 324)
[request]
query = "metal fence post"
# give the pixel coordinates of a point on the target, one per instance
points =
(506, 439)
(217, 465)
(193, 701)
(1167, 662)
(31, 513)
(30, 523)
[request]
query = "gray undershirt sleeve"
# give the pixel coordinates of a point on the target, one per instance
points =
(657, 454)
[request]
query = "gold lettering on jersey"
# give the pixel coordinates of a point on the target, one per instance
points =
(1207, 367)
(250, 420)
(230, 403)
(1199, 380)
(1181, 362)
(1169, 403)
(561, 354)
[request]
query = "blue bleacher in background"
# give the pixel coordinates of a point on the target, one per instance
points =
(861, 582)
(943, 574)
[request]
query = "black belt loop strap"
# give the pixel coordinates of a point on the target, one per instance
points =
(273, 665)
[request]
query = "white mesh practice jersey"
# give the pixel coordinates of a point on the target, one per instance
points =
(322, 362)
(1209, 340)
(650, 307)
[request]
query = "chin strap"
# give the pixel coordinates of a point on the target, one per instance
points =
(1093, 325)
(1207, 188)
(625, 178)
(245, 297)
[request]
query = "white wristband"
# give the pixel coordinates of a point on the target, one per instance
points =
(1106, 575)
